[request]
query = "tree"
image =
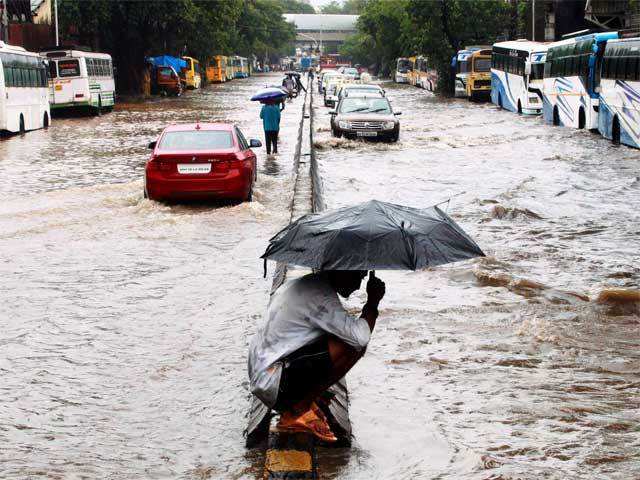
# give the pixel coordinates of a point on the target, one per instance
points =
(131, 30)
(295, 6)
(446, 26)
(347, 7)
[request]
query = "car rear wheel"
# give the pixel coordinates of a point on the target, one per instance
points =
(250, 194)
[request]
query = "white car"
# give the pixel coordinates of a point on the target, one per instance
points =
(359, 89)
(330, 90)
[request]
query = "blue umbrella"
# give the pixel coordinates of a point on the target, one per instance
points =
(269, 93)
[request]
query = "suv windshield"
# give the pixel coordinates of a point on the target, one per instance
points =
(365, 105)
(196, 140)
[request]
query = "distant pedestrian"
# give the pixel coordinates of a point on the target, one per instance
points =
(270, 115)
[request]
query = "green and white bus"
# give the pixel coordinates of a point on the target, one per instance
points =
(79, 79)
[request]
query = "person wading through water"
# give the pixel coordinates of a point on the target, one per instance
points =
(308, 343)
(270, 115)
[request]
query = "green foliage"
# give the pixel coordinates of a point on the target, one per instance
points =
(131, 30)
(295, 6)
(346, 7)
(388, 29)
(384, 28)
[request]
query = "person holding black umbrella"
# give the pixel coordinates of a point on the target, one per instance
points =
(270, 115)
(309, 342)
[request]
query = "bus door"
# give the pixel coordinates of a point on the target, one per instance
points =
(63, 88)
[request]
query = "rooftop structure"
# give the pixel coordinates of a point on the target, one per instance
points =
(318, 31)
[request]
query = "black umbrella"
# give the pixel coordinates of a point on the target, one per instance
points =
(372, 236)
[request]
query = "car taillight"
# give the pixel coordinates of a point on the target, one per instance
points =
(159, 165)
(79, 95)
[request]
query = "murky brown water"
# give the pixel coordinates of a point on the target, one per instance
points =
(507, 367)
(125, 323)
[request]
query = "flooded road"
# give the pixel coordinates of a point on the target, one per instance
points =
(126, 322)
(506, 367)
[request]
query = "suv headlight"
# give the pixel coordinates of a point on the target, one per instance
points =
(343, 124)
(389, 125)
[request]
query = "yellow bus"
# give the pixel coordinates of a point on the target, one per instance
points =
(191, 74)
(412, 75)
(420, 71)
(217, 69)
(479, 75)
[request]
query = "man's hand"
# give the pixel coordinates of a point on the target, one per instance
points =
(375, 290)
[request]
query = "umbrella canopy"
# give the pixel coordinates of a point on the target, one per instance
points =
(373, 236)
(269, 93)
(292, 74)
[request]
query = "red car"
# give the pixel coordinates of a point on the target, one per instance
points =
(201, 161)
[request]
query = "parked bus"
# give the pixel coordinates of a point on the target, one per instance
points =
(460, 65)
(571, 80)
(80, 79)
(478, 80)
(24, 90)
(421, 72)
(516, 75)
(412, 75)
(333, 61)
(191, 74)
(240, 67)
(619, 115)
(404, 67)
(217, 69)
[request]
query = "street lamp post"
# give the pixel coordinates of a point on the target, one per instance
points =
(55, 8)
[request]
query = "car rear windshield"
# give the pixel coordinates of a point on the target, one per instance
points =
(68, 68)
(365, 105)
(196, 140)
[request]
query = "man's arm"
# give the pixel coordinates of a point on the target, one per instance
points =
(375, 292)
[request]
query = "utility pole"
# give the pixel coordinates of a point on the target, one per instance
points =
(55, 13)
(533, 20)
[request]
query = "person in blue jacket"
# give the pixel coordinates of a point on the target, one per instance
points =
(270, 115)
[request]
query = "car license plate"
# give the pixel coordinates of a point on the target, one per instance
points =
(190, 168)
(367, 134)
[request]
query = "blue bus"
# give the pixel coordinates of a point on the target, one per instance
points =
(619, 116)
(516, 75)
(572, 80)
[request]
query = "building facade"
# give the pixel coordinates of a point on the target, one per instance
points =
(319, 32)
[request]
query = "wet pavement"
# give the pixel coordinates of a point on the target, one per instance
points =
(506, 367)
(126, 322)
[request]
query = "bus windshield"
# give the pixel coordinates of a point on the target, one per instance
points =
(462, 66)
(404, 65)
(482, 65)
(537, 71)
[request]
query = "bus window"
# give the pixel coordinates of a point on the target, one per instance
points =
(69, 68)
(482, 64)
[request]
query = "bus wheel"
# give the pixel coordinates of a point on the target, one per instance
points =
(45, 120)
(615, 131)
(500, 100)
(22, 129)
(519, 108)
(556, 117)
(99, 109)
(581, 119)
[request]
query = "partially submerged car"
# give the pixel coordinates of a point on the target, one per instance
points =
(201, 161)
(365, 116)
(359, 89)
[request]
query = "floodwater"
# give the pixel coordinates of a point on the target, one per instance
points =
(506, 367)
(125, 322)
